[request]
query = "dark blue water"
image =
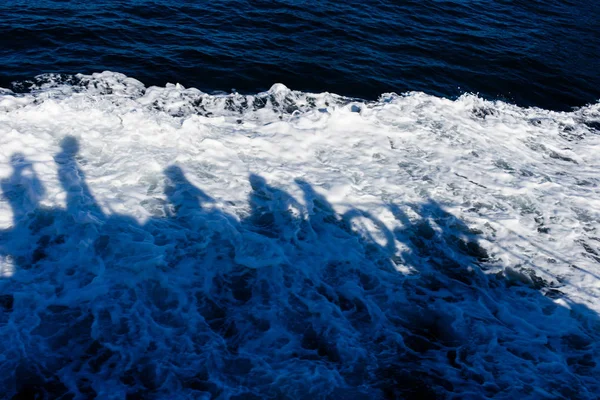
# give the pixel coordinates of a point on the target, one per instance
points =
(542, 53)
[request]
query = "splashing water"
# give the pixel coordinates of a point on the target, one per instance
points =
(166, 243)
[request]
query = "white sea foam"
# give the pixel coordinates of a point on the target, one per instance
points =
(167, 242)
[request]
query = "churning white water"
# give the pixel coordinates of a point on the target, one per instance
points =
(166, 243)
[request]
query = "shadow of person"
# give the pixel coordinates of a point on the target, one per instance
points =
(185, 198)
(23, 190)
(319, 209)
(449, 251)
(191, 213)
(80, 201)
(273, 212)
(57, 257)
(460, 309)
(294, 299)
(325, 223)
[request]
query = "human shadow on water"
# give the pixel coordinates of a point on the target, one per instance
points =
(292, 300)
(80, 201)
(23, 189)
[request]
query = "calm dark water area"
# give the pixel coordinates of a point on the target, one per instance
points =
(533, 53)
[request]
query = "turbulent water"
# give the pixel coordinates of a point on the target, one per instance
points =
(413, 212)
(161, 242)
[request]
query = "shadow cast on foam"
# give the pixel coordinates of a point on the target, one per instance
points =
(292, 301)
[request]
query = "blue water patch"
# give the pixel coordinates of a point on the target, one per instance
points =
(531, 53)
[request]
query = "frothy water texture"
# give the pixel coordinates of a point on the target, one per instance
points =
(162, 243)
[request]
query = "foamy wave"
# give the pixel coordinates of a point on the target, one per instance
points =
(167, 242)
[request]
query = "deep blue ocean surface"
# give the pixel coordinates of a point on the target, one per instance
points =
(542, 53)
